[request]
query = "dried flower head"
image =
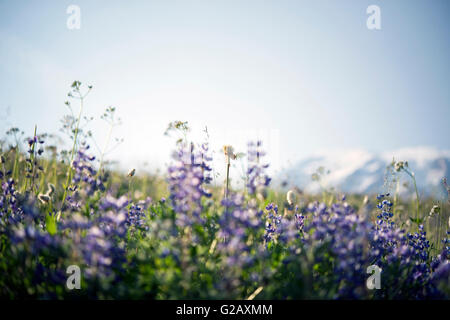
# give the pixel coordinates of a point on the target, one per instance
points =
(229, 153)
(43, 198)
(291, 197)
(366, 200)
(2, 159)
(51, 189)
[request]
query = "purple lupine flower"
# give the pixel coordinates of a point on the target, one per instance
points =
(344, 233)
(14, 207)
(187, 179)
(84, 172)
(392, 246)
(240, 227)
(272, 222)
(257, 178)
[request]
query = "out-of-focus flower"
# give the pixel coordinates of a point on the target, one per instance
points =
(435, 210)
(44, 198)
(51, 189)
(366, 200)
(256, 172)
(291, 197)
(400, 165)
(229, 153)
(187, 179)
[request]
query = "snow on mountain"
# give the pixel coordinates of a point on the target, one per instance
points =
(359, 171)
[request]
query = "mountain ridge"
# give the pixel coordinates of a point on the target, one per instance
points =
(360, 171)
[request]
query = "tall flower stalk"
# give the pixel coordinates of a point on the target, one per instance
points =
(257, 180)
(32, 151)
(229, 154)
(75, 90)
(109, 117)
(403, 166)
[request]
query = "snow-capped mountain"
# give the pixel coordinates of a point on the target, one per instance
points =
(359, 171)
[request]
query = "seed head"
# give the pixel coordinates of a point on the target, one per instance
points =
(399, 165)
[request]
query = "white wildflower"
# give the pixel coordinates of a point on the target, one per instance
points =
(435, 210)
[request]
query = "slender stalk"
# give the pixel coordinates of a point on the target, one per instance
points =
(412, 175)
(397, 190)
(129, 188)
(69, 171)
(417, 198)
(105, 148)
(34, 158)
(55, 172)
(228, 181)
(16, 161)
(42, 182)
(439, 231)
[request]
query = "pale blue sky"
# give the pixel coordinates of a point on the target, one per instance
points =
(304, 75)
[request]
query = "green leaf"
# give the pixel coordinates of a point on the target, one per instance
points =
(417, 221)
(50, 223)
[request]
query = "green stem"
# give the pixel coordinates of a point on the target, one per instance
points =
(31, 163)
(228, 180)
(417, 198)
(397, 190)
(439, 232)
(411, 174)
(129, 189)
(34, 158)
(16, 161)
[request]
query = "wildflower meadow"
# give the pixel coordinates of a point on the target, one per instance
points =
(73, 227)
